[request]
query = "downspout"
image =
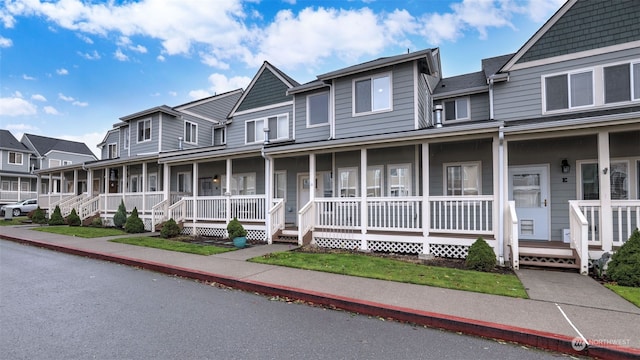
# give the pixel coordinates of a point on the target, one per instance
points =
(500, 195)
(491, 100)
(268, 193)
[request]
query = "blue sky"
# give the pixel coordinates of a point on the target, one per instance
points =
(71, 69)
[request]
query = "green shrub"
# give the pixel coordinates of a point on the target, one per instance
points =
(170, 229)
(624, 267)
(56, 217)
(120, 218)
(481, 256)
(73, 219)
(134, 224)
(96, 222)
(38, 216)
(235, 229)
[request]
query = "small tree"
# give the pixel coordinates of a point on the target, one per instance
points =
(235, 229)
(624, 267)
(56, 217)
(481, 256)
(120, 218)
(38, 216)
(73, 219)
(134, 224)
(170, 229)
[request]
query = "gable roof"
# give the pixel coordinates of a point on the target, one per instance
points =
(490, 66)
(580, 26)
(163, 108)
(214, 108)
(424, 55)
(44, 145)
(461, 85)
(9, 142)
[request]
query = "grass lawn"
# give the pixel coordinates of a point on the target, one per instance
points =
(400, 271)
(13, 221)
(81, 231)
(630, 293)
(172, 245)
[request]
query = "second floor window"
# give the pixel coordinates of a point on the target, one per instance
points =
(278, 128)
(54, 163)
(125, 137)
(372, 94)
(457, 109)
(15, 158)
(567, 91)
(144, 130)
(621, 83)
(219, 136)
(112, 151)
(190, 132)
(318, 109)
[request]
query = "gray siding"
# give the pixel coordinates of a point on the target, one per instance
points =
(217, 108)
(151, 146)
(62, 156)
(5, 166)
(266, 90)
(113, 137)
(236, 130)
(304, 134)
(173, 128)
(400, 119)
(521, 96)
(468, 151)
(424, 103)
(478, 106)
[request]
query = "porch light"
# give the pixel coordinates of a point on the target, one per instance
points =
(566, 168)
(215, 178)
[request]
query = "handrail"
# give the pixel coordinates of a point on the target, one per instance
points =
(305, 220)
(512, 234)
(178, 211)
(276, 214)
(579, 228)
(89, 207)
(159, 212)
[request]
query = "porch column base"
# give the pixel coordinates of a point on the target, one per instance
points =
(426, 256)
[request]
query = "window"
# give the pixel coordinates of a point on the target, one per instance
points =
(54, 163)
(184, 182)
(400, 180)
(318, 109)
(190, 132)
(24, 186)
(144, 130)
(280, 185)
(219, 136)
(125, 137)
(462, 179)
(241, 184)
(590, 184)
(457, 109)
(621, 83)
(112, 151)
(348, 182)
(372, 94)
(66, 162)
(6, 186)
(278, 128)
(375, 177)
(15, 158)
(568, 91)
(133, 184)
(153, 182)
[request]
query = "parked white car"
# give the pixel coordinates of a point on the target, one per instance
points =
(21, 207)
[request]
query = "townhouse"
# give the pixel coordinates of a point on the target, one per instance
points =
(538, 152)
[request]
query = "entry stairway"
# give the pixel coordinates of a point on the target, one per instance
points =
(555, 254)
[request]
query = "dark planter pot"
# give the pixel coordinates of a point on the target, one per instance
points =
(240, 242)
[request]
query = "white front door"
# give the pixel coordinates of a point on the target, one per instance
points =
(303, 188)
(529, 189)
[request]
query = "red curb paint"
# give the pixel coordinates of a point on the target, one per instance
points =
(524, 336)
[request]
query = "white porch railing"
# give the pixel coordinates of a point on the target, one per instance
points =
(178, 211)
(337, 213)
(248, 207)
(15, 196)
(462, 214)
(305, 220)
(159, 212)
(138, 200)
(90, 206)
(591, 211)
(579, 228)
(73, 202)
(208, 208)
(276, 214)
(511, 221)
(394, 214)
(50, 201)
(626, 218)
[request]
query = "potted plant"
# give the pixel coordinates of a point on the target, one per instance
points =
(237, 233)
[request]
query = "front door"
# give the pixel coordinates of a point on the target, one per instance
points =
(529, 189)
(304, 188)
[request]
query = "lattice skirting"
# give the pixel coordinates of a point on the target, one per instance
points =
(256, 235)
(449, 251)
(548, 260)
(333, 243)
(395, 247)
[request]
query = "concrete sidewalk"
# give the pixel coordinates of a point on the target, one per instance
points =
(564, 307)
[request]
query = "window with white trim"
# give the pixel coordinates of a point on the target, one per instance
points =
(6, 186)
(280, 185)
(278, 127)
(400, 181)
(318, 109)
(220, 136)
(457, 109)
(153, 182)
(375, 180)
(144, 130)
(133, 184)
(348, 182)
(590, 182)
(462, 179)
(568, 90)
(190, 132)
(15, 158)
(254, 130)
(112, 151)
(372, 94)
(184, 182)
(621, 82)
(241, 184)
(25, 186)
(54, 163)
(125, 137)
(66, 162)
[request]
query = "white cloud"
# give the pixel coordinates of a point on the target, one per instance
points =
(5, 42)
(540, 10)
(199, 94)
(62, 71)
(138, 48)
(85, 38)
(90, 56)
(62, 96)
(160, 58)
(27, 77)
(172, 93)
(16, 106)
(120, 56)
(50, 110)
(21, 128)
(38, 97)
(80, 103)
(220, 83)
(91, 139)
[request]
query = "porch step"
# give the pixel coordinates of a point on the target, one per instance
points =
(286, 236)
(546, 259)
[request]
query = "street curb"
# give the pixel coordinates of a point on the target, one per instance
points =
(538, 339)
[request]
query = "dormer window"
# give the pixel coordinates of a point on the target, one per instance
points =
(457, 109)
(372, 94)
(112, 151)
(144, 130)
(190, 132)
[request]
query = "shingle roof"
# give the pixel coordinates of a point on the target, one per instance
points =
(461, 82)
(381, 62)
(44, 144)
(9, 142)
(490, 66)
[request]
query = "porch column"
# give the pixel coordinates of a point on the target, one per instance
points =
(498, 204)
(268, 193)
(425, 199)
(89, 183)
(606, 214)
(504, 191)
(228, 185)
(363, 199)
(312, 177)
(75, 182)
(49, 192)
(166, 182)
(38, 186)
(19, 188)
(194, 191)
(106, 189)
(143, 183)
(124, 182)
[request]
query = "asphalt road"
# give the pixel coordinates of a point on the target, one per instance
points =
(59, 306)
